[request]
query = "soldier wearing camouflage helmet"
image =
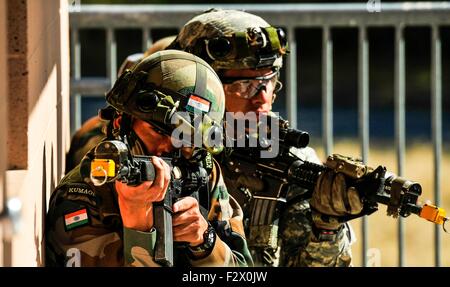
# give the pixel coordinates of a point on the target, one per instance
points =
(247, 53)
(93, 130)
(112, 224)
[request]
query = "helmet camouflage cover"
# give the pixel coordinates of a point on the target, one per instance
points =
(165, 83)
(232, 39)
(133, 59)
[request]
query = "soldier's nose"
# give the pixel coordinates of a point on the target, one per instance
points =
(261, 97)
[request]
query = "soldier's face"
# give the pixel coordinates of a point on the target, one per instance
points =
(261, 102)
(156, 143)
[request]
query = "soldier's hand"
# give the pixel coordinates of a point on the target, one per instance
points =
(333, 200)
(135, 202)
(188, 223)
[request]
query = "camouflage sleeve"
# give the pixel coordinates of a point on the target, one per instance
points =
(81, 232)
(226, 216)
(75, 233)
(86, 138)
(299, 245)
(139, 247)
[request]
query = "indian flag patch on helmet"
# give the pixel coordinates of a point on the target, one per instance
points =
(76, 219)
(197, 103)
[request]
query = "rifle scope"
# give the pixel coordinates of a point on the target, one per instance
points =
(295, 138)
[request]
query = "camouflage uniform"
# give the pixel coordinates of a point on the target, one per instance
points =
(290, 237)
(299, 244)
(87, 137)
(296, 242)
(103, 241)
(84, 225)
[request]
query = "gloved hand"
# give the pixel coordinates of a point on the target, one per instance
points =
(337, 199)
(333, 200)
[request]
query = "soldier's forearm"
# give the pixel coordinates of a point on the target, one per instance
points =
(139, 247)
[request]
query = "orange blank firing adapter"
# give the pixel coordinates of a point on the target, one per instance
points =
(433, 213)
(103, 167)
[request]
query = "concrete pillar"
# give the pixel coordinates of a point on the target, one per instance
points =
(38, 125)
(18, 84)
(3, 125)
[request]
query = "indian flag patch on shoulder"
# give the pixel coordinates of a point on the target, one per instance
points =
(197, 103)
(76, 219)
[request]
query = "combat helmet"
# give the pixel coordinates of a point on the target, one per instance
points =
(232, 39)
(133, 59)
(169, 89)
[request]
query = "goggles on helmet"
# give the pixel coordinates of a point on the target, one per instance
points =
(249, 87)
(166, 116)
(264, 44)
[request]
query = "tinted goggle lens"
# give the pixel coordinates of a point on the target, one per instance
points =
(249, 87)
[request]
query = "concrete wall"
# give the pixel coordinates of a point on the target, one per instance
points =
(38, 58)
(3, 117)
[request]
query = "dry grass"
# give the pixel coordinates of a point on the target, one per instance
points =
(419, 233)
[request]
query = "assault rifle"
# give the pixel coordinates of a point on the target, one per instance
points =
(113, 161)
(287, 169)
